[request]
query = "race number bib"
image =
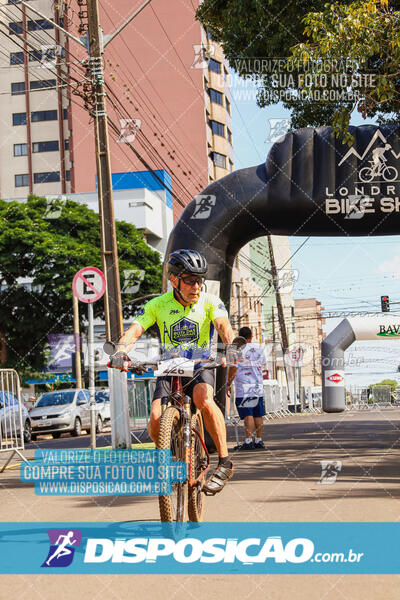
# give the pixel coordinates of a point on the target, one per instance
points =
(175, 366)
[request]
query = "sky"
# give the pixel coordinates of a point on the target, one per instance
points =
(342, 273)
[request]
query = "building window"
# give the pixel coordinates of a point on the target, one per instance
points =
(228, 106)
(46, 177)
(20, 149)
(35, 55)
(66, 144)
(18, 88)
(219, 160)
(44, 83)
(16, 58)
(44, 115)
(68, 175)
(39, 24)
(15, 27)
(65, 113)
(229, 132)
(216, 97)
(19, 118)
(217, 128)
(45, 146)
(215, 66)
(22, 180)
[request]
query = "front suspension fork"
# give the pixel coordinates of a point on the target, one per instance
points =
(186, 434)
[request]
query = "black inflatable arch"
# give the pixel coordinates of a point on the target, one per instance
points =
(310, 184)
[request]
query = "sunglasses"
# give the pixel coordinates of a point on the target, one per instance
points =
(192, 280)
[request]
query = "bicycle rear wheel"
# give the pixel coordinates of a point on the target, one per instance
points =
(174, 507)
(197, 458)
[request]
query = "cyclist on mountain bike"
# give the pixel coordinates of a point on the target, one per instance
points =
(378, 157)
(185, 318)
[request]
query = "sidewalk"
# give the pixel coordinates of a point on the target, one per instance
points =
(279, 484)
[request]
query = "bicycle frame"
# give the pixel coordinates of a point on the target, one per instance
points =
(182, 403)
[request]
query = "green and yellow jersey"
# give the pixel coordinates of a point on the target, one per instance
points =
(186, 329)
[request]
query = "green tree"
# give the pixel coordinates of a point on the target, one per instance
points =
(46, 253)
(358, 40)
(390, 382)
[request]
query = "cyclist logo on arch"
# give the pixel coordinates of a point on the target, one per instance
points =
(378, 167)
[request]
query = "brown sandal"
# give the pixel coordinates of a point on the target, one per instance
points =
(217, 480)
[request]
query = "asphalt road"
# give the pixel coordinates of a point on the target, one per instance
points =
(279, 484)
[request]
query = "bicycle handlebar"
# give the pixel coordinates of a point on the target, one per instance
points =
(208, 363)
(237, 344)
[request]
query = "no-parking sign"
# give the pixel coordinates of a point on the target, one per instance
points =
(89, 284)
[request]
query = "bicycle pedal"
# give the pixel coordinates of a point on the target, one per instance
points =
(207, 493)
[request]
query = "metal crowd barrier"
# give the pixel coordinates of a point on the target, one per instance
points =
(275, 402)
(11, 418)
(140, 394)
(372, 406)
(276, 405)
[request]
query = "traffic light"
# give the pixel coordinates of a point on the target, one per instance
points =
(385, 304)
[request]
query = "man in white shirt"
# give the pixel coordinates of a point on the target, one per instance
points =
(248, 376)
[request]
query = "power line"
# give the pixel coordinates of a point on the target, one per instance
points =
(152, 149)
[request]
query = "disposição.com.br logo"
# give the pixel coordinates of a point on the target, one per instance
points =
(62, 547)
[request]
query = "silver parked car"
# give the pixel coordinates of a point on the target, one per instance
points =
(9, 418)
(62, 410)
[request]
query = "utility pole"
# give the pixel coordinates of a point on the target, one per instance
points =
(279, 305)
(108, 237)
(281, 316)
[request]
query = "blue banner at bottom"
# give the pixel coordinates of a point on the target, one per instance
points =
(196, 548)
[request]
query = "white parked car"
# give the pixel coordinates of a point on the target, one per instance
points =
(63, 411)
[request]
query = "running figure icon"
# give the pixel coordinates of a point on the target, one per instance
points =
(62, 549)
(63, 543)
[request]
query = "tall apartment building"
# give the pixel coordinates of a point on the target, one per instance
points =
(35, 107)
(167, 89)
(309, 332)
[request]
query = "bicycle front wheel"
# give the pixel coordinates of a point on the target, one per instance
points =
(174, 507)
(197, 458)
(390, 174)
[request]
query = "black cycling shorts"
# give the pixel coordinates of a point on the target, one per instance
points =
(163, 385)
